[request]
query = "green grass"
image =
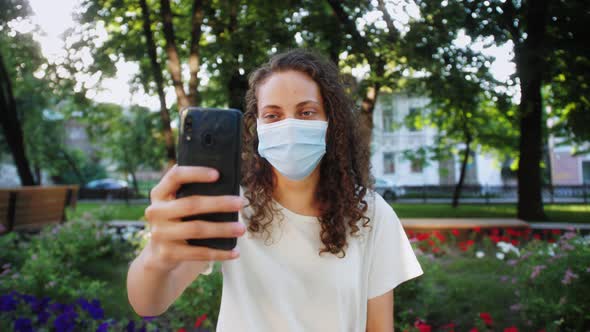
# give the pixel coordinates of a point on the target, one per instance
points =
(108, 211)
(575, 213)
(114, 273)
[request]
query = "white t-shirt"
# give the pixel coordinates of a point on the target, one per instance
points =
(286, 286)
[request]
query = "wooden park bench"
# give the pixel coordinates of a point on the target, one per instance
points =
(29, 208)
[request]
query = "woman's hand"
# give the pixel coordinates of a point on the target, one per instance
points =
(167, 247)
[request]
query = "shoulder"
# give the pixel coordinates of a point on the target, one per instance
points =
(378, 208)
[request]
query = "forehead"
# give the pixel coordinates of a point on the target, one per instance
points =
(288, 87)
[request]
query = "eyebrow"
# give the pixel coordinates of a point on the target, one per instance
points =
(303, 103)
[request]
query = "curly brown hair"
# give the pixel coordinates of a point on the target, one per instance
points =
(344, 169)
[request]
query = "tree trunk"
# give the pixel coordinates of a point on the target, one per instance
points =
(238, 83)
(459, 185)
(73, 166)
(157, 71)
(38, 174)
(135, 184)
(237, 87)
(172, 52)
(194, 58)
(12, 128)
(529, 63)
(376, 62)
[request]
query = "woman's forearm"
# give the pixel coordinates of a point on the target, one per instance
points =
(151, 290)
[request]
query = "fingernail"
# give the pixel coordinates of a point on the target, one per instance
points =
(213, 174)
(239, 229)
(235, 253)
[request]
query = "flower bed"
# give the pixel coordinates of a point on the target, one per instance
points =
(498, 280)
(72, 277)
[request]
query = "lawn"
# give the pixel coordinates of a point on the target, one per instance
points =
(575, 213)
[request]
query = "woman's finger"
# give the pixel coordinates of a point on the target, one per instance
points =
(192, 205)
(186, 252)
(195, 229)
(179, 175)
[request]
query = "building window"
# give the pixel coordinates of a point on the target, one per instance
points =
(416, 166)
(586, 171)
(388, 121)
(411, 114)
(388, 163)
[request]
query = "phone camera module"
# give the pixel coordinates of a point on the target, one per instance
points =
(208, 140)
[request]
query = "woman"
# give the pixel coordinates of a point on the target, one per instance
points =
(318, 251)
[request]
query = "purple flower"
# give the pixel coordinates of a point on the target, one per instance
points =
(103, 327)
(536, 270)
(130, 326)
(504, 278)
(57, 307)
(93, 308)
(567, 278)
(23, 325)
(38, 305)
(512, 262)
(66, 321)
(42, 317)
(515, 307)
(7, 303)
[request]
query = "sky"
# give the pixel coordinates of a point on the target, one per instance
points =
(54, 17)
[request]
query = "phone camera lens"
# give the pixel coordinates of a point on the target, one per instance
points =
(208, 139)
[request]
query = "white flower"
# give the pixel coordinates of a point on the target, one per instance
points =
(500, 255)
(479, 254)
(508, 247)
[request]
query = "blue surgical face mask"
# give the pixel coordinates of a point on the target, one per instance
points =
(294, 147)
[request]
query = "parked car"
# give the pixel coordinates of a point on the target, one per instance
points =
(106, 189)
(387, 189)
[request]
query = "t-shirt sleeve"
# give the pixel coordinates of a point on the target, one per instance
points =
(392, 259)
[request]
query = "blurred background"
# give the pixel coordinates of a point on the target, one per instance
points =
(477, 109)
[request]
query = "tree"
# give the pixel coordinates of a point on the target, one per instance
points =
(464, 105)
(9, 118)
(540, 35)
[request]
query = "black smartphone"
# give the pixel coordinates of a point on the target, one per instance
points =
(211, 137)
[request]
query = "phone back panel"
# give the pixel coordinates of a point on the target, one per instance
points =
(211, 137)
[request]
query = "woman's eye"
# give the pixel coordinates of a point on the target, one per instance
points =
(308, 113)
(270, 116)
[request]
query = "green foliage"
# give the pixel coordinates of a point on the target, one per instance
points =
(53, 261)
(203, 296)
(555, 279)
(507, 289)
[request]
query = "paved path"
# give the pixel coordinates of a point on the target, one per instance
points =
(461, 223)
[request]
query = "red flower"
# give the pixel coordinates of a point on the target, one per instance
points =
(436, 250)
(200, 320)
(537, 236)
(556, 231)
(440, 237)
(511, 329)
(495, 238)
(473, 330)
(477, 229)
(455, 232)
(495, 231)
(449, 326)
(486, 318)
(514, 242)
(551, 240)
(422, 326)
(422, 236)
(182, 329)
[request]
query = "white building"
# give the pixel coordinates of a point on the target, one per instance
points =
(391, 138)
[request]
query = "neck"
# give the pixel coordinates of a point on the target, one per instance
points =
(298, 196)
